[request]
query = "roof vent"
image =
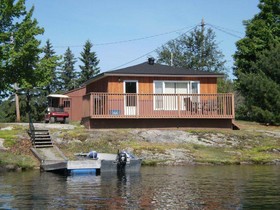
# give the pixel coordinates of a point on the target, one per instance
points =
(151, 61)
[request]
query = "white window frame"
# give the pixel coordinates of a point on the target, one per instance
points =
(189, 82)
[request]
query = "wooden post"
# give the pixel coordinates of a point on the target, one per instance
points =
(233, 108)
(179, 113)
(91, 104)
(17, 107)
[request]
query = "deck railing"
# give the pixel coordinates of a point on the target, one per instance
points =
(107, 105)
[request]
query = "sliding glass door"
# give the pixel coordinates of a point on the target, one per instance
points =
(169, 90)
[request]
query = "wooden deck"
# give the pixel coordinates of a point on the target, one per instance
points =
(157, 106)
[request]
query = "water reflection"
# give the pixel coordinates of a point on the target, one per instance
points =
(194, 187)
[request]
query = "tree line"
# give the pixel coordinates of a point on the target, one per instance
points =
(25, 67)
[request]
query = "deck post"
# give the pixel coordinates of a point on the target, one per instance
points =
(232, 105)
(91, 105)
(224, 105)
(178, 99)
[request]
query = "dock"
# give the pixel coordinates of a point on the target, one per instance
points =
(53, 160)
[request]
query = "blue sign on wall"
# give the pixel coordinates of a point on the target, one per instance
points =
(115, 112)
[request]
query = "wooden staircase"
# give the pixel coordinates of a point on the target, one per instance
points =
(41, 139)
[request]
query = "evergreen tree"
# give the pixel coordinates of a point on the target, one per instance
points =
(68, 74)
(261, 31)
(198, 51)
(257, 65)
(50, 62)
(90, 62)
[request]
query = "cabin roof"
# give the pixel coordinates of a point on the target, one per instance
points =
(146, 69)
(159, 69)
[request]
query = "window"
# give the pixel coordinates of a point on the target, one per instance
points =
(166, 90)
(66, 104)
(158, 98)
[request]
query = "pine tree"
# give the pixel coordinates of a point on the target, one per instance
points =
(90, 62)
(50, 62)
(197, 51)
(257, 65)
(68, 74)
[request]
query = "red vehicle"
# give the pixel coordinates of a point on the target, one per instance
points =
(55, 112)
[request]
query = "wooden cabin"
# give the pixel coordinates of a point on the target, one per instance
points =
(74, 104)
(150, 95)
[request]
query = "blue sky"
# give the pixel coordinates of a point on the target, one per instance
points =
(71, 23)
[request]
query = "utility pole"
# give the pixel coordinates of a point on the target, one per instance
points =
(17, 103)
(171, 59)
(16, 88)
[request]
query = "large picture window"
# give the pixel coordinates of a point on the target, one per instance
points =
(166, 97)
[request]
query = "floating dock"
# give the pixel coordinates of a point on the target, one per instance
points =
(52, 159)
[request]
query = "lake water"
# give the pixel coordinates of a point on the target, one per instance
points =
(189, 187)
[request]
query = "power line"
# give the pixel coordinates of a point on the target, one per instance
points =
(228, 29)
(152, 50)
(224, 30)
(129, 40)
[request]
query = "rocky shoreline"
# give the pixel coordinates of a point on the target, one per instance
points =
(252, 145)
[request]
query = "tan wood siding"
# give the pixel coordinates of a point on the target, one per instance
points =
(145, 84)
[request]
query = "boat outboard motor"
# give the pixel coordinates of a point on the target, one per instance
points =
(121, 161)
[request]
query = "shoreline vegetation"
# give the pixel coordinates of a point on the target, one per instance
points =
(253, 144)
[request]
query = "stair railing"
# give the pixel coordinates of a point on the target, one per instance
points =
(31, 130)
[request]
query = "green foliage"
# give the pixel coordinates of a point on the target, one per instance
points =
(20, 51)
(68, 74)
(48, 67)
(261, 88)
(257, 65)
(9, 136)
(90, 62)
(7, 111)
(10, 12)
(198, 51)
(261, 31)
(225, 85)
(22, 161)
(24, 54)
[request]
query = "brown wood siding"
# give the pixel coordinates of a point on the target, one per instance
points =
(208, 85)
(76, 100)
(78, 92)
(145, 84)
(98, 86)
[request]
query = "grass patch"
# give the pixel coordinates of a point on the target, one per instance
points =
(267, 148)
(156, 148)
(21, 161)
(261, 155)
(10, 136)
(214, 155)
(149, 163)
